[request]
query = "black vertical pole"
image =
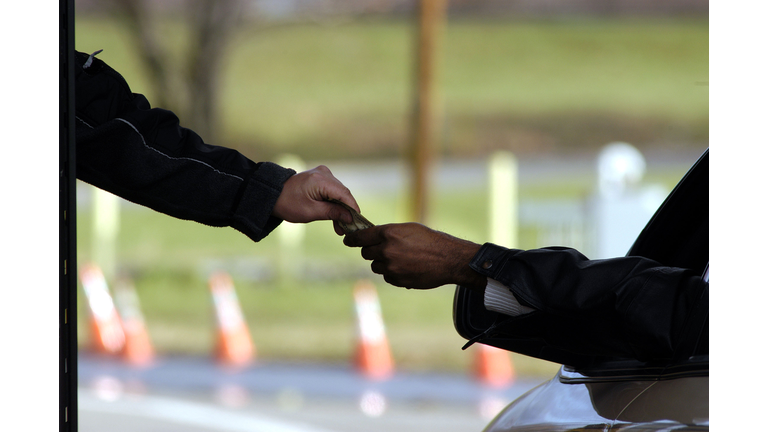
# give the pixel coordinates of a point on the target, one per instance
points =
(67, 222)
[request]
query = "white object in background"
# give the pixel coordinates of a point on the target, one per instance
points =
(502, 179)
(291, 235)
(619, 166)
(621, 207)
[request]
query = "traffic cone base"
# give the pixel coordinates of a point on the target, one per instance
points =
(234, 349)
(233, 339)
(138, 349)
(374, 360)
(493, 366)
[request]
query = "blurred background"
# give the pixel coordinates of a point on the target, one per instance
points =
(589, 111)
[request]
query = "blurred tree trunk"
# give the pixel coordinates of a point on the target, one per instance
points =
(212, 22)
(192, 93)
(426, 110)
(151, 53)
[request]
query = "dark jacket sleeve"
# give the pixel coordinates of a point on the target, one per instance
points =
(629, 306)
(142, 154)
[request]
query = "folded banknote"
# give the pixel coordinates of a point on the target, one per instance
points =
(358, 221)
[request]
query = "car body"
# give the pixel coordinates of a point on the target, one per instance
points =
(573, 401)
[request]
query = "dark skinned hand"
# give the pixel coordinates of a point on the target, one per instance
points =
(412, 255)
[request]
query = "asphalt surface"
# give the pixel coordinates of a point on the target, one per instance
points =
(197, 395)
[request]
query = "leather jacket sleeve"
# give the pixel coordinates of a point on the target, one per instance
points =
(142, 154)
(629, 306)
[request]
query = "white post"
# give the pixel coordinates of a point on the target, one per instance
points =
(290, 235)
(502, 179)
(622, 205)
(106, 226)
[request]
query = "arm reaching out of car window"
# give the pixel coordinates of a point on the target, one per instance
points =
(628, 306)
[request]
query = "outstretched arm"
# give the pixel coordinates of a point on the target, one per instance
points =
(412, 255)
(144, 155)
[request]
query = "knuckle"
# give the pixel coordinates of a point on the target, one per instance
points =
(391, 233)
(376, 268)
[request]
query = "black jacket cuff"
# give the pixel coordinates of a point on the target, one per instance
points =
(253, 214)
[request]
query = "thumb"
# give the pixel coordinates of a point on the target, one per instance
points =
(339, 213)
(366, 237)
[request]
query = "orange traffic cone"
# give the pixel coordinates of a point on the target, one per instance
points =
(106, 328)
(372, 356)
(493, 366)
(233, 340)
(138, 349)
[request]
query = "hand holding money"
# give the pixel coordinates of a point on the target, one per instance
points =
(358, 221)
(305, 198)
(414, 256)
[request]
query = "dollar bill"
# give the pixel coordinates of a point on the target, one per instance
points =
(358, 221)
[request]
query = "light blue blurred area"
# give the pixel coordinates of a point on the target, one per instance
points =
(195, 394)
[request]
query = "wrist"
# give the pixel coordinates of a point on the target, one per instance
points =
(462, 253)
(286, 200)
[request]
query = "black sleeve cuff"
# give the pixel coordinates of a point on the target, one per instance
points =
(490, 259)
(253, 215)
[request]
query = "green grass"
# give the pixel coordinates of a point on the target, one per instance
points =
(332, 92)
(344, 90)
(644, 67)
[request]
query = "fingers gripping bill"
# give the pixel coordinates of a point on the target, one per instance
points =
(358, 221)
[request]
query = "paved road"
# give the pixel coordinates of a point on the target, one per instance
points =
(195, 395)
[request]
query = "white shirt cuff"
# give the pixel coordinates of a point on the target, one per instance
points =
(498, 298)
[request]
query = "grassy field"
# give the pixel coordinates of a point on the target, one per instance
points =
(344, 90)
(333, 92)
